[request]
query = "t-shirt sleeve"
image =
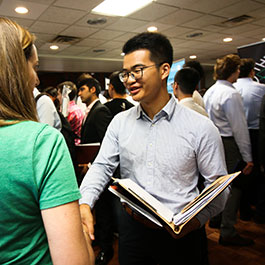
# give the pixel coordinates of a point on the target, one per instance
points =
(53, 170)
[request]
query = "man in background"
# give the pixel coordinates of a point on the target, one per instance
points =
(185, 83)
(117, 92)
(252, 93)
(46, 110)
(225, 108)
(95, 123)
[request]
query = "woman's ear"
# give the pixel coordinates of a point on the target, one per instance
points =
(165, 69)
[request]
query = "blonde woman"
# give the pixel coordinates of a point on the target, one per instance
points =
(39, 216)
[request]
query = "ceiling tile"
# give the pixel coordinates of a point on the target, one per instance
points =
(106, 34)
(47, 27)
(77, 31)
(73, 50)
(45, 2)
(126, 36)
(205, 6)
(7, 8)
(238, 9)
(78, 4)
(125, 24)
(203, 21)
(180, 17)
(88, 42)
(260, 22)
(111, 45)
(240, 29)
(45, 37)
(26, 23)
(153, 11)
(62, 15)
(176, 31)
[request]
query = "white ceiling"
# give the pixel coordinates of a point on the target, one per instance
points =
(174, 18)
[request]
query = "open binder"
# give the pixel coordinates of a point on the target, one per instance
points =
(148, 206)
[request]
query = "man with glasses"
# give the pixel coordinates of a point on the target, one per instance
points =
(162, 147)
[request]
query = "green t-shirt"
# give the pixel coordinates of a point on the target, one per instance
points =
(36, 173)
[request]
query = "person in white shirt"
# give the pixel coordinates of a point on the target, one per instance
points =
(225, 108)
(46, 110)
(185, 83)
(252, 93)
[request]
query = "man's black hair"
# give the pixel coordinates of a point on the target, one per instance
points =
(160, 48)
(90, 82)
(195, 65)
(247, 64)
(118, 86)
(187, 79)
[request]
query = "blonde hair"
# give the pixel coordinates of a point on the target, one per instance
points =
(16, 96)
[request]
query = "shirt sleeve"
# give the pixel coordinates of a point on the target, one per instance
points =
(102, 169)
(234, 111)
(211, 164)
(54, 173)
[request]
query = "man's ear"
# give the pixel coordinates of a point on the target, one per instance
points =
(92, 90)
(165, 69)
(175, 89)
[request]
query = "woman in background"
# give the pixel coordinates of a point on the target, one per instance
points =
(39, 215)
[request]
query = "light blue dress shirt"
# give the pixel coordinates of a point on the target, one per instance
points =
(163, 155)
(252, 93)
(225, 108)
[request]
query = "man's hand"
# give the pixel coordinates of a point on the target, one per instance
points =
(192, 225)
(87, 221)
(248, 168)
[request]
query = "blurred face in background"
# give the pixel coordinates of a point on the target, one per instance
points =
(33, 65)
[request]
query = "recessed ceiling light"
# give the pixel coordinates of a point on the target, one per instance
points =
(54, 47)
(227, 39)
(263, 39)
(120, 7)
(122, 54)
(21, 10)
(193, 57)
(152, 29)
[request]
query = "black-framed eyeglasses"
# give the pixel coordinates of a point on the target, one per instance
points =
(135, 74)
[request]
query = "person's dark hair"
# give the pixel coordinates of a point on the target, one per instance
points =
(195, 65)
(90, 82)
(247, 64)
(187, 78)
(52, 91)
(226, 66)
(160, 48)
(71, 86)
(118, 86)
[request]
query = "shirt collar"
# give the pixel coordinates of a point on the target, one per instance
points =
(89, 107)
(224, 82)
(167, 111)
(189, 99)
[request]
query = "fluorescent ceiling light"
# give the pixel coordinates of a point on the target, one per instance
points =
(120, 7)
(193, 57)
(227, 39)
(21, 10)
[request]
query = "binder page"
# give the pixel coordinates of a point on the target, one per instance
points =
(139, 192)
(135, 206)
